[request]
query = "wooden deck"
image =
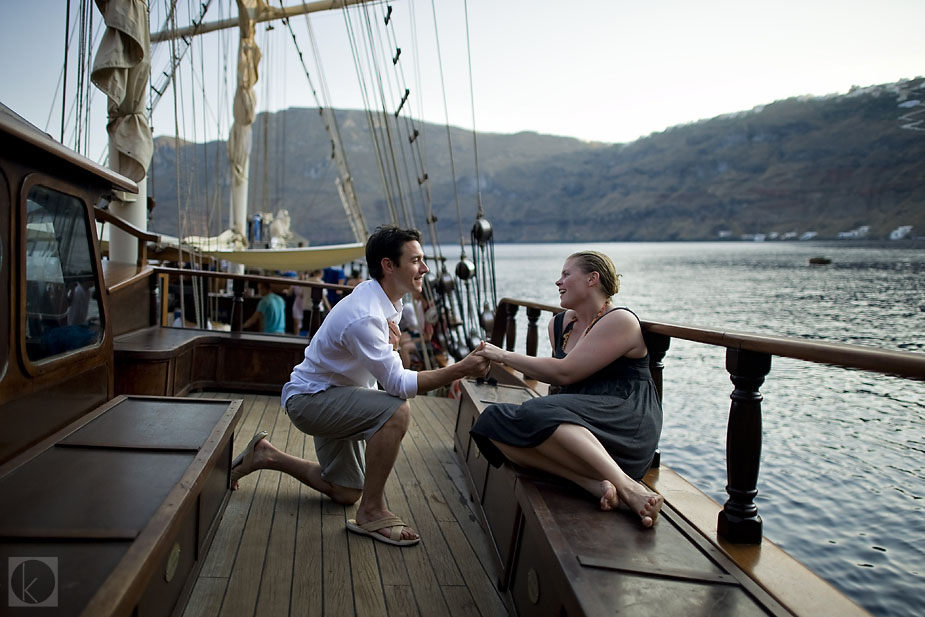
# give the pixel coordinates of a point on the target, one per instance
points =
(283, 549)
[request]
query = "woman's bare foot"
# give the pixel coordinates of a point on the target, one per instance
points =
(609, 498)
(642, 501)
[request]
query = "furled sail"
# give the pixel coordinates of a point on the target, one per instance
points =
(245, 98)
(120, 70)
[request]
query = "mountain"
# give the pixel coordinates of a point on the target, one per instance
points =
(808, 164)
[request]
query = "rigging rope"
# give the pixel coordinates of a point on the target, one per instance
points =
(388, 42)
(378, 148)
(167, 77)
(387, 119)
(345, 181)
(419, 137)
(67, 28)
(449, 140)
(176, 142)
(481, 234)
(475, 142)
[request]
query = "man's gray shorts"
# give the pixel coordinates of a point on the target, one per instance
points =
(340, 420)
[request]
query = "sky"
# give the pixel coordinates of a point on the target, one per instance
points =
(597, 70)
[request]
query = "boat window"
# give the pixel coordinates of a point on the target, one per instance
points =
(63, 308)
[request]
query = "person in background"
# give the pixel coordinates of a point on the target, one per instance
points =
(602, 428)
(291, 298)
(333, 395)
(334, 276)
(298, 306)
(356, 277)
(415, 332)
(270, 315)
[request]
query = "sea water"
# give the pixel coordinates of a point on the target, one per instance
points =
(842, 476)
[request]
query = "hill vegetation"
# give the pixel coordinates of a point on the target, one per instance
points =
(811, 164)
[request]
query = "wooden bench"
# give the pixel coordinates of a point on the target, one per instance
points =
(121, 505)
(559, 554)
(167, 361)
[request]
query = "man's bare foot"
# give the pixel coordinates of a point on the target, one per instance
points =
(363, 517)
(609, 498)
(253, 459)
(642, 501)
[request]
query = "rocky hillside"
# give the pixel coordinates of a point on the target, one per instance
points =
(824, 164)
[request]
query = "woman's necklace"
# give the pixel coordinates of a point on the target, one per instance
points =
(600, 313)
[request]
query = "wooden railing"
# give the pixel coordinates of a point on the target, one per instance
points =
(748, 361)
(143, 237)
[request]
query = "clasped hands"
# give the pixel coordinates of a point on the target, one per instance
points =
(480, 365)
(482, 357)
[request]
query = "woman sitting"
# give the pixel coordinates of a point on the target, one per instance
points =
(602, 427)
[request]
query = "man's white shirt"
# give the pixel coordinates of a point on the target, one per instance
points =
(352, 348)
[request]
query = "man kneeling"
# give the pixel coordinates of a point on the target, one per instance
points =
(332, 394)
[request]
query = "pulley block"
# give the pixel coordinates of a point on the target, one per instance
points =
(465, 270)
(481, 231)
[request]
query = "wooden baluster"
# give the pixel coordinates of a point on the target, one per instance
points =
(511, 327)
(315, 319)
(159, 300)
(739, 521)
(533, 314)
(500, 323)
(658, 346)
(237, 306)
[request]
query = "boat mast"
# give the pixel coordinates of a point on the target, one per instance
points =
(250, 13)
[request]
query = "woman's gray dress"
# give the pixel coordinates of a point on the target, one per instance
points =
(618, 404)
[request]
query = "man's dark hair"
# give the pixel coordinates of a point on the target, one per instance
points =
(387, 241)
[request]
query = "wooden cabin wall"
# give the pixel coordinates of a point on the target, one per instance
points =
(38, 398)
(6, 323)
(130, 306)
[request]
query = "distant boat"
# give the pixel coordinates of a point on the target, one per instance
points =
(819, 261)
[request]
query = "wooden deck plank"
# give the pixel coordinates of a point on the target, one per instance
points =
(220, 560)
(400, 601)
(243, 585)
(417, 444)
(424, 582)
(392, 565)
(465, 537)
(487, 599)
(368, 595)
(420, 492)
(461, 603)
(276, 582)
(209, 592)
(282, 548)
(307, 583)
(337, 586)
(206, 598)
(446, 420)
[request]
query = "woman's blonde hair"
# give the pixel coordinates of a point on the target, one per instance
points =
(593, 261)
